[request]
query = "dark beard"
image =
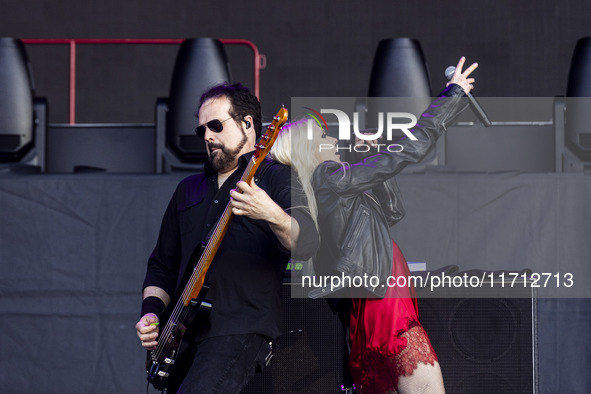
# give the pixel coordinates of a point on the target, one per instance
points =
(225, 159)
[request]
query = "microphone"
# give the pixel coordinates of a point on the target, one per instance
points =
(476, 108)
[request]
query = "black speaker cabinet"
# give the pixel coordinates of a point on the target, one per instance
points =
(201, 63)
(16, 100)
(310, 354)
(484, 344)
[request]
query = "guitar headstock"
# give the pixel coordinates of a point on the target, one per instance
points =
(268, 138)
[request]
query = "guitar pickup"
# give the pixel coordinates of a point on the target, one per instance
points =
(169, 361)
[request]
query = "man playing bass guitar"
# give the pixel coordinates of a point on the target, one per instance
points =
(226, 347)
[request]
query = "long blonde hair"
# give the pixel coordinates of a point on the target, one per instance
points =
(293, 148)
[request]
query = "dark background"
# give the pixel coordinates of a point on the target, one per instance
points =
(313, 48)
(74, 246)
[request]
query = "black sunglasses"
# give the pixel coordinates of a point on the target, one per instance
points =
(214, 125)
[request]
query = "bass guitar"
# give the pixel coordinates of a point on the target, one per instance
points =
(191, 303)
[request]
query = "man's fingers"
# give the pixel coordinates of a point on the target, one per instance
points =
(237, 196)
(149, 345)
(148, 329)
(242, 186)
(148, 337)
(253, 184)
(237, 205)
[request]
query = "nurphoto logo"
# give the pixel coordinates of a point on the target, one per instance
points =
(402, 121)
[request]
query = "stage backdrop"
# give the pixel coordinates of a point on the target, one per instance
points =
(312, 48)
(73, 251)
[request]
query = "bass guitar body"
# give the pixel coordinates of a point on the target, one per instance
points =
(159, 364)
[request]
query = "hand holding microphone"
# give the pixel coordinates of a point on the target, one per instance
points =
(455, 75)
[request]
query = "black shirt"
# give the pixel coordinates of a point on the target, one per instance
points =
(246, 274)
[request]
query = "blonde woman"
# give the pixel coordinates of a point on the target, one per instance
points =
(354, 205)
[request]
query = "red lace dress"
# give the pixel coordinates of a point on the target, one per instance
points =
(387, 340)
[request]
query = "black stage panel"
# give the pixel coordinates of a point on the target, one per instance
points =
(310, 353)
(74, 247)
(114, 148)
(504, 146)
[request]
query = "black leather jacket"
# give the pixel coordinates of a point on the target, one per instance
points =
(357, 203)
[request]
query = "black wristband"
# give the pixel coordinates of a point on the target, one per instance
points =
(153, 305)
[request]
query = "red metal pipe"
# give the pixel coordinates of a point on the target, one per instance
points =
(72, 42)
(256, 55)
(72, 87)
